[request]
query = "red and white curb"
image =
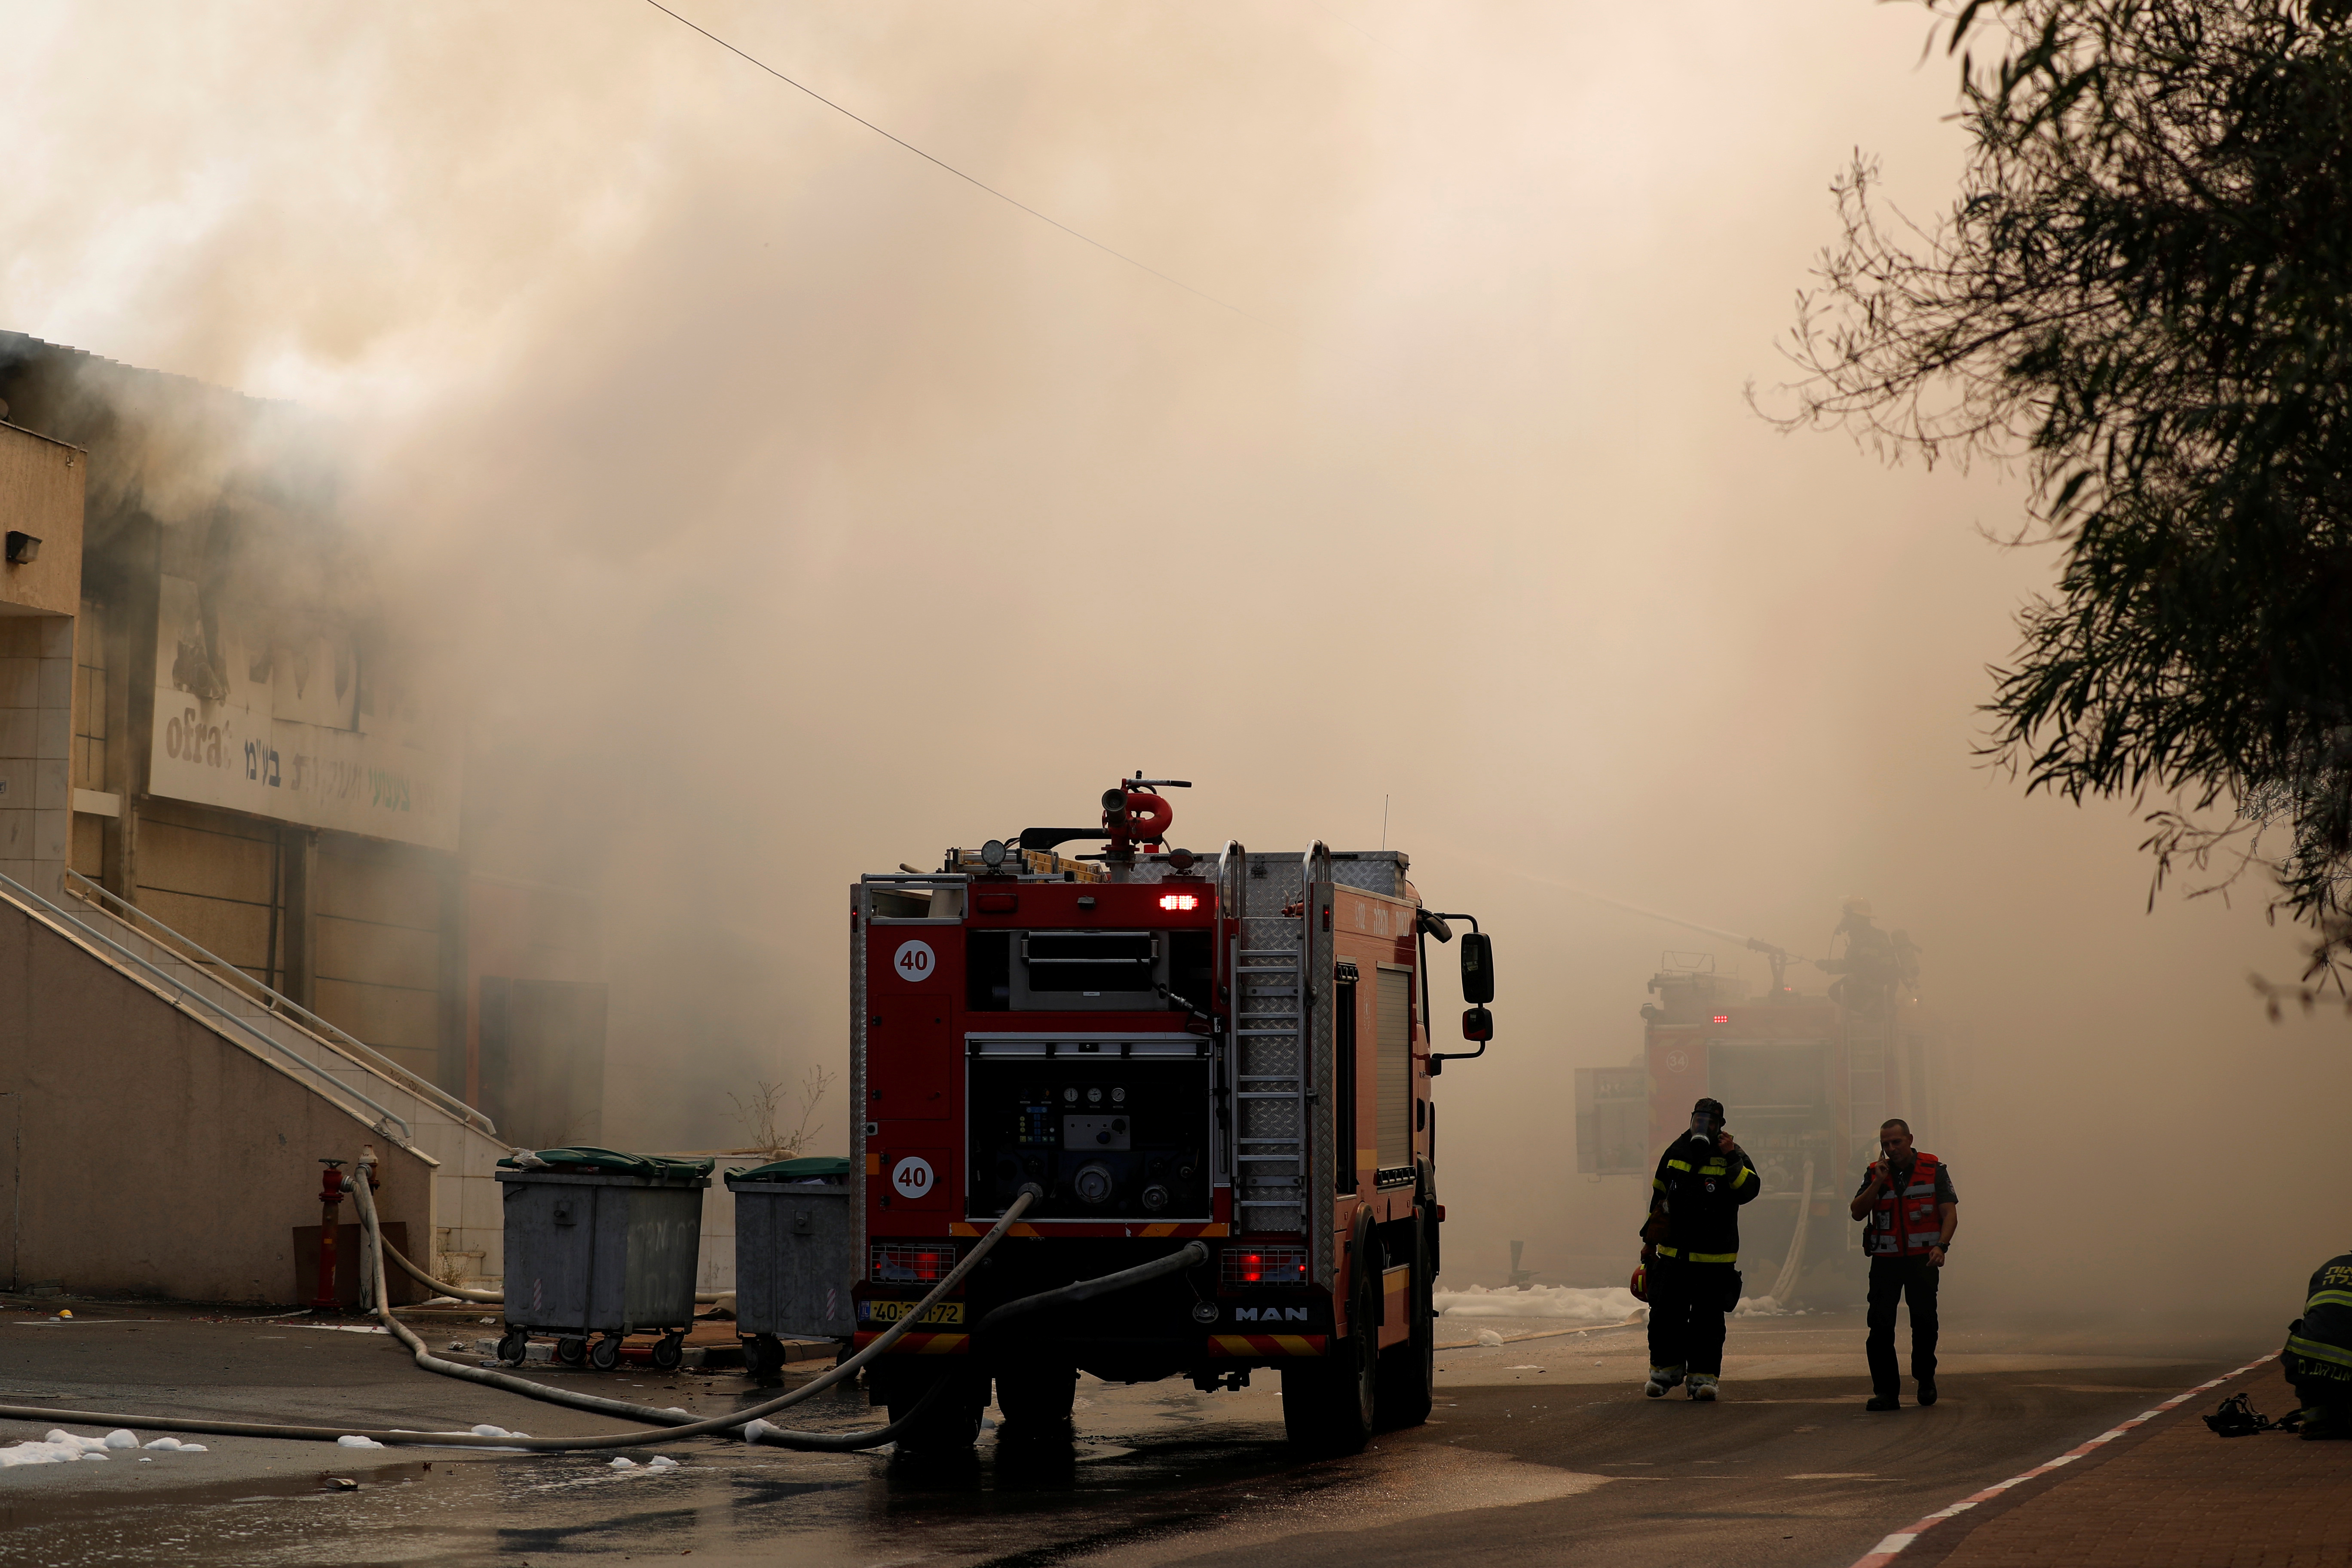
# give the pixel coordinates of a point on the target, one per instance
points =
(1893, 1547)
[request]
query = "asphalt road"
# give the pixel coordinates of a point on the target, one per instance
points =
(1541, 1449)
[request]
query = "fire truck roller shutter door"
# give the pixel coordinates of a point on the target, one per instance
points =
(1393, 1067)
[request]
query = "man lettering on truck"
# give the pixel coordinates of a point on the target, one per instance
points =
(1907, 1200)
(1690, 1248)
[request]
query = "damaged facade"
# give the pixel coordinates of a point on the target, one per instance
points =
(213, 731)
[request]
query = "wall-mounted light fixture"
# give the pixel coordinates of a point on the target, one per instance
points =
(23, 548)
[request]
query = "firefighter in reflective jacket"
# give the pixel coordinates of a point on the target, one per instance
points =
(1911, 1211)
(2319, 1356)
(1690, 1247)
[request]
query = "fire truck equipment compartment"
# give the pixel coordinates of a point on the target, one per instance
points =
(795, 1255)
(600, 1243)
(1111, 1129)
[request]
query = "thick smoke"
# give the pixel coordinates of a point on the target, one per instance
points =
(790, 508)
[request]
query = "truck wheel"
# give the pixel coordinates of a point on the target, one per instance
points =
(948, 1425)
(1409, 1371)
(1328, 1404)
(1037, 1400)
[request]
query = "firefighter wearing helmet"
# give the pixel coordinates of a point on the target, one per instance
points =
(1690, 1252)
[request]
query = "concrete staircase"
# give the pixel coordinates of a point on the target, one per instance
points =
(460, 1144)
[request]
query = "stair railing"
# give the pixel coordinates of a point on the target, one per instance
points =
(181, 996)
(280, 1003)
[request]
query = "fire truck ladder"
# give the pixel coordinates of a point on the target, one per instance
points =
(1271, 1083)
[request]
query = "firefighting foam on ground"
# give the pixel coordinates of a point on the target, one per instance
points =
(601, 579)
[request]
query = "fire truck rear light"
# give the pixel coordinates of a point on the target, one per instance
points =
(912, 1263)
(1179, 901)
(1723, 1017)
(1264, 1265)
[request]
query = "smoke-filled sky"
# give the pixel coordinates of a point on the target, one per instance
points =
(794, 508)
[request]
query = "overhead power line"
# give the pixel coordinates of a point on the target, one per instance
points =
(950, 168)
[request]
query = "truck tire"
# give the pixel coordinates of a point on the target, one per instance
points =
(1408, 1371)
(1328, 1404)
(948, 1425)
(1037, 1399)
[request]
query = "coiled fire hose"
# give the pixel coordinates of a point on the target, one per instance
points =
(678, 1424)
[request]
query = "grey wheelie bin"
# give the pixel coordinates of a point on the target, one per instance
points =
(603, 1244)
(792, 1262)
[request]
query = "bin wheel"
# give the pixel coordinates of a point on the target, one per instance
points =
(571, 1350)
(669, 1351)
(605, 1353)
(512, 1346)
(763, 1357)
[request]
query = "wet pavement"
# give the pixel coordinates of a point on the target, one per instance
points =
(1540, 1448)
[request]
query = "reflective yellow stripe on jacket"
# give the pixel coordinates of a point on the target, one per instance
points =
(1699, 1256)
(2312, 1350)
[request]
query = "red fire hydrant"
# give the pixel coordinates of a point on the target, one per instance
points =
(331, 1200)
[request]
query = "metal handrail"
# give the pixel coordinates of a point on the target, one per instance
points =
(1234, 860)
(278, 1002)
(182, 995)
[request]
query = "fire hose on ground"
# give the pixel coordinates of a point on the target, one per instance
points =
(676, 1425)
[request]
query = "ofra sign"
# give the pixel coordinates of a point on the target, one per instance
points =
(1269, 1315)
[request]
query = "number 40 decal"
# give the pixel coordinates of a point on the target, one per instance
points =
(912, 1176)
(915, 960)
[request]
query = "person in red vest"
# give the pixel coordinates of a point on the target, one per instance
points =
(1907, 1201)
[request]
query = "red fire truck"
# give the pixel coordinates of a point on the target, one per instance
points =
(1230, 1049)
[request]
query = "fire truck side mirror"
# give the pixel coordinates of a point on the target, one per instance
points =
(1477, 1024)
(1477, 970)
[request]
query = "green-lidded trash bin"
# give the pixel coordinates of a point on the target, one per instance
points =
(792, 1262)
(600, 1243)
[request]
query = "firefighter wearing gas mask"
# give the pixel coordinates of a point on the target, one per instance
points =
(1690, 1252)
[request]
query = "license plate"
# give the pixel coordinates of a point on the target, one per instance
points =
(891, 1312)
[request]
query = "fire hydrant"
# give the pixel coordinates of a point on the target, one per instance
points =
(331, 1201)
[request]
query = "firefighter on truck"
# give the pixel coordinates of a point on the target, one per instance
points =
(1230, 1053)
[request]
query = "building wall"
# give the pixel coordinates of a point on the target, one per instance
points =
(36, 737)
(534, 1015)
(214, 877)
(40, 495)
(377, 914)
(141, 1153)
